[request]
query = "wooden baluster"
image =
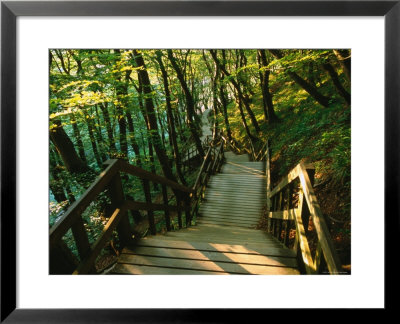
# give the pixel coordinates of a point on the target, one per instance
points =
(62, 261)
(317, 258)
(81, 238)
(124, 228)
(179, 204)
(166, 212)
(289, 206)
(279, 221)
(150, 213)
(188, 216)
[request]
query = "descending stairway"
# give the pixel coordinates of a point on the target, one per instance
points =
(235, 196)
(225, 240)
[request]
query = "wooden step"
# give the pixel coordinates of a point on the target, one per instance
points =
(249, 248)
(226, 223)
(209, 256)
(220, 238)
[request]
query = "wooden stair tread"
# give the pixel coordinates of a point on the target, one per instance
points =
(227, 257)
(204, 265)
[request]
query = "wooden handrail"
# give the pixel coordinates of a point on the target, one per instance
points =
(69, 217)
(306, 196)
(211, 164)
(110, 179)
(143, 174)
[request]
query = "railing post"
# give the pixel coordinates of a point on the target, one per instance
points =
(166, 213)
(81, 238)
(117, 199)
(188, 216)
(150, 213)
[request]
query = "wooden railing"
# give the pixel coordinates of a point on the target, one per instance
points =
(191, 155)
(110, 181)
(295, 219)
(211, 164)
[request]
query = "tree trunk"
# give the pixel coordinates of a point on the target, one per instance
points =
(265, 89)
(344, 58)
(244, 99)
(89, 123)
(78, 138)
(170, 118)
(151, 118)
(225, 109)
(189, 104)
(312, 90)
(132, 137)
(335, 78)
(244, 122)
(122, 91)
(107, 121)
(66, 149)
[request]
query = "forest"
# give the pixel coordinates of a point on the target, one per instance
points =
(145, 107)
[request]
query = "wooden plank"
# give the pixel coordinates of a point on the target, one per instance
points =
(209, 256)
(209, 266)
(332, 260)
(81, 238)
(249, 248)
(293, 174)
(88, 262)
(228, 219)
(230, 197)
(249, 189)
(130, 269)
(233, 176)
(143, 174)
(59, 229)
(268, 178)
(218, 240)
(202, 168)
(217, 229)
(221, 237)
(117, 197)
(284, 214)
(302, 238)
(234, 208)
(166, 212)
(229, 215)
(216, 202)
(227, 223)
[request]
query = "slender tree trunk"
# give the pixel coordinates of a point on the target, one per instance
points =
(89, 123)
(344, 58)
(311, 89)
(244, 99)
(151, 118)
(225, 109)
(66, 149)
(132, 137)
(335, 78)
(170, 118)
(265, 89)
(122, 91)
(78, 138)
(107, 121)
(189, 104)
(244, 122)
(99, 135)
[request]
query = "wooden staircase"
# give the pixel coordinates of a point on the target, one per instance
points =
(224, 240)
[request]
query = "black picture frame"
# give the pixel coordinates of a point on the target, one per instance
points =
(10, 10)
